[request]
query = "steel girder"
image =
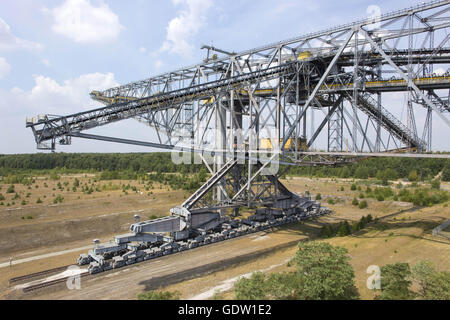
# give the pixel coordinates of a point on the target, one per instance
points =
(280, 86)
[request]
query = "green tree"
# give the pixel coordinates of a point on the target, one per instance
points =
(395, 282)
(344, 229)
(327, 231)
(433, 285)
(422, 272)
(439, 286)
(362, 173)
(446, 173)
(284, 286)
(252, 288)
(324, 272)
(356, 226)
(436, 184)
(345, 172)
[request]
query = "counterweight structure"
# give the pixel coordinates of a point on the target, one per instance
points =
(317, 99)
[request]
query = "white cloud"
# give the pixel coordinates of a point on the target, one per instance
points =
(8, 41)
(182, 28)
(82, 22)
(50, 96)
(142, 50)
(45, 62)
(5, 68)
(290, 5)
(158, 64)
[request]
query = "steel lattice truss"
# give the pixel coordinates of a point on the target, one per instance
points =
(333, 81)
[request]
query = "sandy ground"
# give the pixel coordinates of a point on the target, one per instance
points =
(58, 234)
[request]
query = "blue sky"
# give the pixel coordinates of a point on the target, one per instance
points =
(54, 52)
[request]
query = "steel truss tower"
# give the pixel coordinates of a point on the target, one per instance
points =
(243, 114)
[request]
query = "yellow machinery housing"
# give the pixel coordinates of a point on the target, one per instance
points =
(266, 144)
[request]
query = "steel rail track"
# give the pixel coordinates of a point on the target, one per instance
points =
(46, 284)
(37, 274)
(50, 283)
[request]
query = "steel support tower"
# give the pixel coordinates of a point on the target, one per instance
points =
(243, 114)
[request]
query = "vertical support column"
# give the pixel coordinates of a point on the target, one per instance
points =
(427, 130)
(297, 110)
(335, 129)
(306, 72)
(378, 138)
(232, 132)
(220, 139)
(411, 121)
(278, 115)
(355, 92)
(235, 135)
(429, 118)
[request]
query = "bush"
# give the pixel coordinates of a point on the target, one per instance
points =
(436, 184)
(355, 202)
(54, 176)
(318, 196)
(159, 295)
(39, 200)
(58, 199)
(10, 189)
(353, 187)
(413, 176)
(2, 197)
(363, 204)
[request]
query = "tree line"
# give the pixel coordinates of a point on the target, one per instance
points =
(75, 162)
(381, 168)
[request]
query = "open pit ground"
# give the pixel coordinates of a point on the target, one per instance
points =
(41, 236)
